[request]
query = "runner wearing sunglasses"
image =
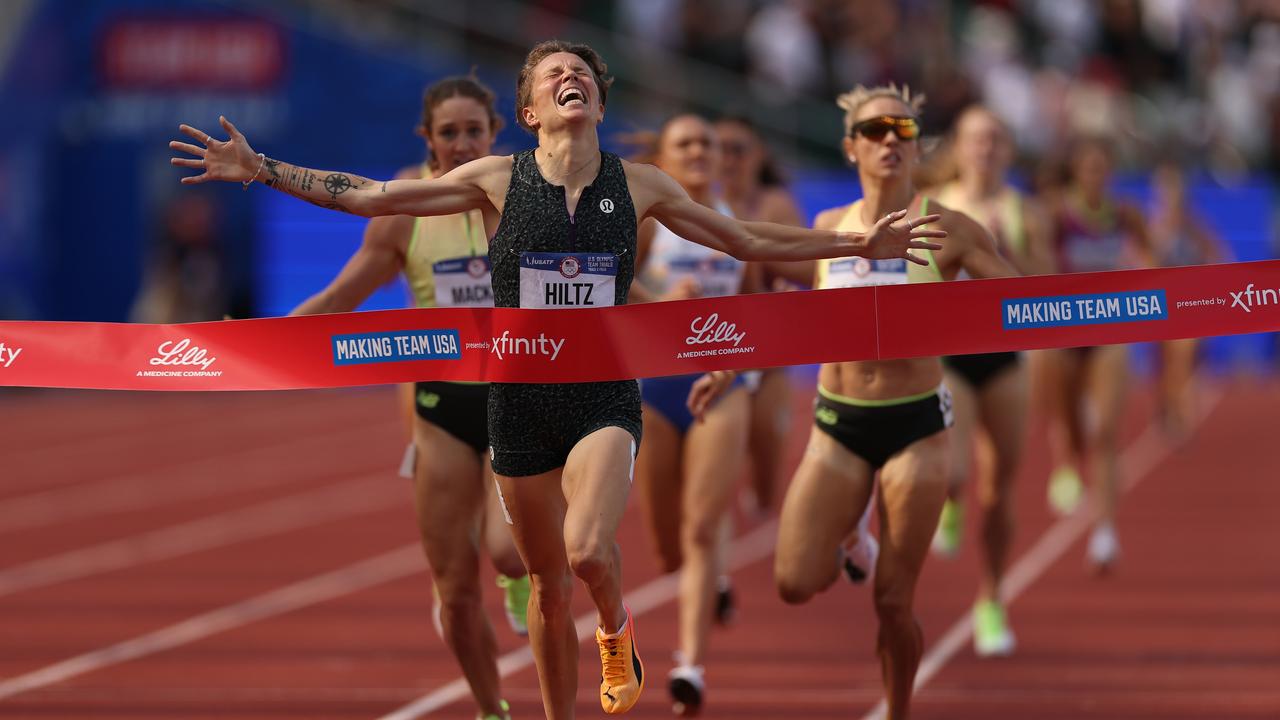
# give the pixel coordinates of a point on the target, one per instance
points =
(883, 417)
(563, 453)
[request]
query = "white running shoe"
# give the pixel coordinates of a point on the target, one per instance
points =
(687, 686)
(1104, 547)
(860, 557)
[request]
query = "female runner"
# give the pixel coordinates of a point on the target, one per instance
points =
(989, 390)
(884, 417)
(563, 453)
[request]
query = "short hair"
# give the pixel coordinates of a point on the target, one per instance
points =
(524, 83)
(860, 95)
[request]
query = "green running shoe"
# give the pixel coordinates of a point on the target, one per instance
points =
(506, 713)
(946, 541)
(991, 634)
(516, 602)
(1065, 490)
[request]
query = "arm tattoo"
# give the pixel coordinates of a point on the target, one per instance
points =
(299, 182)
(336, 184)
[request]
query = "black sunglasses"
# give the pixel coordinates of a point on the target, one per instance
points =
(874, 129)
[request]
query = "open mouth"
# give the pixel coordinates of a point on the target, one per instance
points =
(571, 96)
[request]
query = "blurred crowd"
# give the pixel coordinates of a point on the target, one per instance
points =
(1199, 76)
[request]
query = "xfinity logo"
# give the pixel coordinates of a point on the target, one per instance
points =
(713, 330)
(8, 355)
(541, 345)
(182, 353)
(1247, 298)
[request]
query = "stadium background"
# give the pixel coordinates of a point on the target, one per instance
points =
(95, 88)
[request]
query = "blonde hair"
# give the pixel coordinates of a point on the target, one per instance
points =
(860, 95)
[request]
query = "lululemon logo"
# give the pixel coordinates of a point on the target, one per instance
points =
(606, 206)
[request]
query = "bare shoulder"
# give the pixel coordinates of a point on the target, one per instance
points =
(643, 176)
(649, 186)
(828, 219)
(956, 223)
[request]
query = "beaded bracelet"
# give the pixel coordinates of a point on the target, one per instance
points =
(245, 184)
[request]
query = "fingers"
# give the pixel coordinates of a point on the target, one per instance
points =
(226, 125)
(918, 245)
(928, 233)
(195, 179)
(199, 135)
(915, 259)
(890, 218)
(187, 148)
(186, 162)
(923, 220)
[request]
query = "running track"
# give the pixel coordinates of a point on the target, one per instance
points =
(253, 556)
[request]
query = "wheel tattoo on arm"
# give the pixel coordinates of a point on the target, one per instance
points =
(336, 184)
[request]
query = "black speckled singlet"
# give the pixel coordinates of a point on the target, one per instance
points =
(533, 426)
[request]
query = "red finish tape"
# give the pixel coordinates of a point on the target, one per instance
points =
(649, 340)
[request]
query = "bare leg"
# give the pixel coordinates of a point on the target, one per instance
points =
(537, 508)
(449, 499)
(1065, 385)
(1109, 373)
(1177, 371)
(964, 407)
(913, 486)
(770, 423)
(827, 496)
(597, 480)
(714, 449)
(1004, 412)
(659, 482)
(499, 543)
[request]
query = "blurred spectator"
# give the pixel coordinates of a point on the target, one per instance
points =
(185, 279)
(785, 52)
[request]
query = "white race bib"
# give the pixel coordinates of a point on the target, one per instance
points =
(861, 272)
(463, 282)
(567, 280)
(717, 277)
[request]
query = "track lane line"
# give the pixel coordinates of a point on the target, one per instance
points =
(368, 493)
(750, 548)
(1141, 456)
(401, 562)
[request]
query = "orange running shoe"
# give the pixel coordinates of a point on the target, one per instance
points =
(621, 672)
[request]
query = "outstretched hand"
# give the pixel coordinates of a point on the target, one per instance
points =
(230, 160)
(889, 238)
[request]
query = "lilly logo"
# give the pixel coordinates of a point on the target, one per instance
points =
(713, 330)
(182, 352)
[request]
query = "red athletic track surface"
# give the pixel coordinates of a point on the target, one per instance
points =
(126, 514)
